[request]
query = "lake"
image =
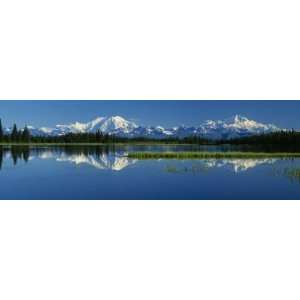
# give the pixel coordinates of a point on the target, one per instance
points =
(101, 172)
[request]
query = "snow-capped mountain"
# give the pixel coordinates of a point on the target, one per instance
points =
(234, 127)
(237, 126)
(112, 125)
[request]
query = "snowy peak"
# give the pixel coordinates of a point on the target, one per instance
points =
(111, 125)
(115, 123)
(234, 127)
(238, 121)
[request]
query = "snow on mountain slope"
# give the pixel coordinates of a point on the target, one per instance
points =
(237, 126)
(111, 125)
(234, 127)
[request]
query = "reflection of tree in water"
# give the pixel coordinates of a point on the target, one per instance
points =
(75, 150)
(18, 153)
(24, 152)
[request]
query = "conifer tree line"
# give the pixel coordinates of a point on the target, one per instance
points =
(284, 137)
(16, 136)
(104, 138)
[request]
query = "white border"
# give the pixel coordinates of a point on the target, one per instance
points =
(149, 250)
(138, 49)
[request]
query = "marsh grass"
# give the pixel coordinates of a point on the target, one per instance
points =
(95, 144)
(194, 169)
(293, 174)
(204, 155)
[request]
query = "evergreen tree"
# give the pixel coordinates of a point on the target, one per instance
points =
(14, 133)
(14, 154)
(25, 135)
(19, 136)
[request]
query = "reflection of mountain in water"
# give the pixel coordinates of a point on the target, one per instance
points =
(109, 158)
(104, 158)
(238, 165)
(103, 161)
(111, 162)
(118, 162)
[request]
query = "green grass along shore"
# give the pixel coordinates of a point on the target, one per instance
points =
(94, 144)
(203, 155)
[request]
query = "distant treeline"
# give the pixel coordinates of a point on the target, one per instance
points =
(99, 137)
(283, 138)
(290, 137)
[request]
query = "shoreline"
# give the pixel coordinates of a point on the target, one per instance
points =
(204, 155)
(99, 144)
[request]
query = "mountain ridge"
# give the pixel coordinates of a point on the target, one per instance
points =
(233, 127)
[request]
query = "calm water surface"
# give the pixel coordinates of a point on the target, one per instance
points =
(106, 173)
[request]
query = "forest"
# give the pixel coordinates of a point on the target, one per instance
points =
(289, 137)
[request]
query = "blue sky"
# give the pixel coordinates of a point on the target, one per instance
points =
(165, 113)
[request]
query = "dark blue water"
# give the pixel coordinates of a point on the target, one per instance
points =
(107, 173)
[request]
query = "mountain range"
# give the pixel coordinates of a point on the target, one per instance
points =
(234, 127)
